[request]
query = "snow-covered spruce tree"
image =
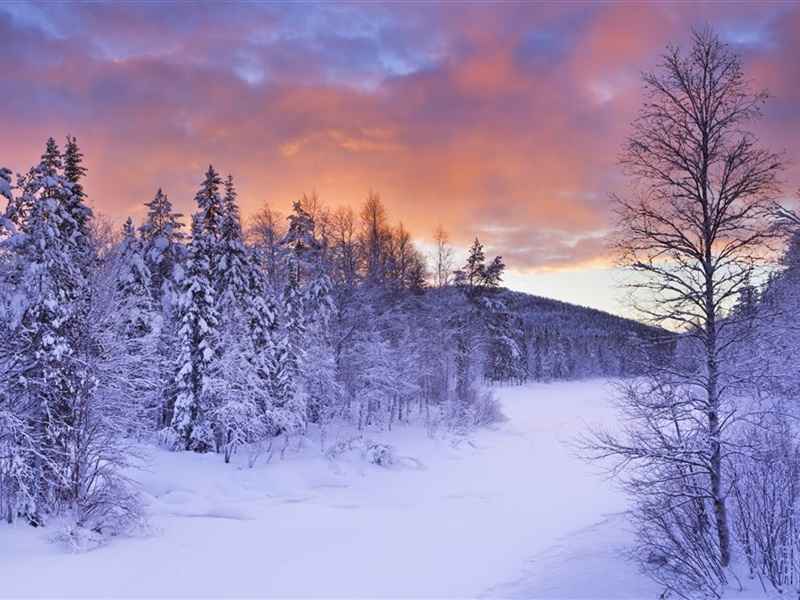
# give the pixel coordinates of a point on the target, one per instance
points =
(323, 391)
(304, 389)
(134, 286)
(694, 230)
(6, 193)
(775, 333)
(74, 171)
(477, 282)
(231, 280)
(241, 390)
(138, 328)
(15, 478)
(163, 247)
(57, 455)
(164, 252)
(289, 404)
(198, 325)
(506, 359)
(42, 378)
(260, 314)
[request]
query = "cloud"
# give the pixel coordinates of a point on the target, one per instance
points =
(502, 121)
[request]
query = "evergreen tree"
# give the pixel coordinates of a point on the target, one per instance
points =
(134, 287)
(472, 332)
(138, 330)
(210, 203)
(18, 206)
(45, 382)
(308, 382)
(51, 162)
(163, 247)
(244, 366)
(53, 165)
(197, 341)
(7, 225)
(288, 396)
(232, 281)
(74, 170)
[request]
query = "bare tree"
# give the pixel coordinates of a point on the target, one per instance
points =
(693, 230)
(375, 237)
(442, 259)
(266, 229)
(345, 247)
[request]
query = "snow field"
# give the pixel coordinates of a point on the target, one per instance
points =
(508, 512)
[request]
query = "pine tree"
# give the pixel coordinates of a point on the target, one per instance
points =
(288, 396)
(163, 247)
(163, 250)
(197, 340)
(300, 240)
(54, 164)
(471, 328)
(476, 277)
(210, 203)
(7, 225)
(18, 206)
(307, 389)
(244, 366)
(46, 382)
(51, 162)
(74, 171)
(232, 279)
(5, 184)
(138, 329)
(134, 286)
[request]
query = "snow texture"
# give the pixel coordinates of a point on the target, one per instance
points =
(508, 511)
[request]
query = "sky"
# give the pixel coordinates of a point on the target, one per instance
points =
(497, 120)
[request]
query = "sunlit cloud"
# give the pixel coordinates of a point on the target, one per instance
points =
(498, 121)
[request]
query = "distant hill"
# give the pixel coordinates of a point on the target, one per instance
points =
(567, 341)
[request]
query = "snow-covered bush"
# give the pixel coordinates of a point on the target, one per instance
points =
(766, 489)
(373, 452)
(487, 409)
(75, 538)
(239, 424)
(168, 438)
(111, 506)
(474, 408)
(378, 454)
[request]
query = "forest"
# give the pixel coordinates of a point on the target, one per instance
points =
(216, 337)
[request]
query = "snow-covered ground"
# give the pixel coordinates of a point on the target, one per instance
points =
(508, 512)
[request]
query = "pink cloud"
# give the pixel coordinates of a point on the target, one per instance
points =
(499, 120)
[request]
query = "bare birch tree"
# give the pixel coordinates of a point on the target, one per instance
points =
(442, 258)
(693, 229)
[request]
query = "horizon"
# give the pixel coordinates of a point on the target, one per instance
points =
(450, 123)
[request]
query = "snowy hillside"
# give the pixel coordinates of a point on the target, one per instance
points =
(507, 512)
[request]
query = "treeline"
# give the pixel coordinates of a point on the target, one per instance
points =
(564, 341)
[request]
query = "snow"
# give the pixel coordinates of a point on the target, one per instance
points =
(509, 511)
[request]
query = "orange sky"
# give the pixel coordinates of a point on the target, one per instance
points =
(501, 121)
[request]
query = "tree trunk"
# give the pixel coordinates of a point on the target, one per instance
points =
(714, 433)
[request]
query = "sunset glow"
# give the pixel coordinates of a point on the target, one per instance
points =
(497, 121)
